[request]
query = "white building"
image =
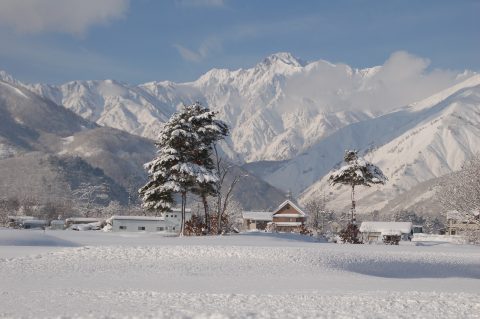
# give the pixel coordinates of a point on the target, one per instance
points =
(380, 231)
(175, 216)
(57, 224)
(142, 224)
(168, 223)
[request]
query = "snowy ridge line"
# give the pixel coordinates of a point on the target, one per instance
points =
(442, 95)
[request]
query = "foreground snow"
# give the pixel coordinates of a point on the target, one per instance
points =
(255, 275)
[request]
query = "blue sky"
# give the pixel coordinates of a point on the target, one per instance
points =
(143, 40)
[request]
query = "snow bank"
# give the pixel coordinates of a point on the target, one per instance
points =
(256, 275)
(455, 239)
(10, 237)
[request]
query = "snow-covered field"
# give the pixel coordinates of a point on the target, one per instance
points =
(256, 275)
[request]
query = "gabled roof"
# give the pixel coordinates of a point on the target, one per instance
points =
(291, 204)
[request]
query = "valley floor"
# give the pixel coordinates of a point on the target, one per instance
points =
(256, 275)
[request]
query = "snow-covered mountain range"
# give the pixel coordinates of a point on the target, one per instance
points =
(47, 151)
(291, 120)
(277, 109)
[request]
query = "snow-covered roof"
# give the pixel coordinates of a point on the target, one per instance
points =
(386, 228)
(20, 217)
(287, 223)
(463, 217)
(142, 218)
(291, 204)
(455, 214)
(83, 219)
(257, 215)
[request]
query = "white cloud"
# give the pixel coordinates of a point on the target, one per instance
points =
(66, 16)
(200, 3)
(402, 79)
(206, 48)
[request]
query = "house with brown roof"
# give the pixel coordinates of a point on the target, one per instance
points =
(288, 217)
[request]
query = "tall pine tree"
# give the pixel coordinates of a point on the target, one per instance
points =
(184, 159)
(356, 172)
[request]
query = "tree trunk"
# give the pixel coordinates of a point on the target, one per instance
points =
(184, 203)
(207, 217)
(353, 218)
(219, 221)
(219, 192)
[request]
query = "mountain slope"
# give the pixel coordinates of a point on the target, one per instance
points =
(443, 132)
(277, 109)
(48, 150)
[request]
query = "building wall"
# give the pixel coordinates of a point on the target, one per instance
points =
(287, 229)
(175, 218)
(287, 209)
(455, 228)
(280, 219)
(249, 224)
(148, 226)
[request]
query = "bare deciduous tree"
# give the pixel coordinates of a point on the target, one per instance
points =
(461, 192)
(87, 197)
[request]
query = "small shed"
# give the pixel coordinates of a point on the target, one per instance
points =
(382, 231)
(256, 220)
(17, 220)
(143, 224)
(57, 224)
(34, 224)
(82, 220)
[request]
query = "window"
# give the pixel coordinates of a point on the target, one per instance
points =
(141, 227)
(173, 228)
(122, 227)
(166, 215)
(160, 229)
(175, 216)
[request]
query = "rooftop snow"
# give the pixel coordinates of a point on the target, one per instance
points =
(257, 215)
(142, 218)
(386, 227)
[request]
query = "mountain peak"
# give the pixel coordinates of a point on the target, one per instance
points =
(4, 76)
(284, 58)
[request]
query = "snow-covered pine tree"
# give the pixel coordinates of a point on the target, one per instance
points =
(183, 161)
(357, 172)
(210, 130)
